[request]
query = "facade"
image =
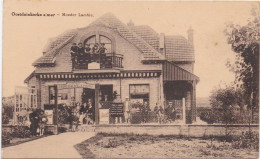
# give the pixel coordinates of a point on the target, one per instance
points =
(136, 63)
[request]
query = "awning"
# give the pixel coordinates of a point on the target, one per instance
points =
(172, 72)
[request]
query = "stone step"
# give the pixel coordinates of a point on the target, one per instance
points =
(86, 128)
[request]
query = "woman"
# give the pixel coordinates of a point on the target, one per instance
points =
(91, 111)
(75, 117)
(83, 113)
(42, 122)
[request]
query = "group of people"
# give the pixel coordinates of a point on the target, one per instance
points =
(165, 115)
(83, 114)
(38, 121)
(85, 54)
(162, 115)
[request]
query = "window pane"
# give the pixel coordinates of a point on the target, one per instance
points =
(91, 40)
(105, 40)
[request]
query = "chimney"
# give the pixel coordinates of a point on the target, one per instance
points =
(161, 43)
(190, 35)
(130, 23)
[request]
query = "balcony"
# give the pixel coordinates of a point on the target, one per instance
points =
(97, 61)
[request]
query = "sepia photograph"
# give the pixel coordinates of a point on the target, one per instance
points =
(130, 79)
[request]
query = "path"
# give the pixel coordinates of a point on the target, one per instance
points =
(55, 146)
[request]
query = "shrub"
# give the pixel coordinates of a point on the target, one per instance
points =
(207, 117)
(5, 119)
(248, 139)
(21, 132)
(6, 138)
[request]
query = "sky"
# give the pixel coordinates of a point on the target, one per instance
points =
(25, 37)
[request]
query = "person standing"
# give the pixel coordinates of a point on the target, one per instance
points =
(91, 111)
(161, 114)
(145, 112)
(83, 112)
(73, 53)
(87, 53)
(127, 111)
(34, 119)
(80, 54)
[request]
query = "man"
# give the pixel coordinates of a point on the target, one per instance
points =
(80, 54)
(145, 112)
(83, 113)
(73, 53)
(168, 111)
(87, 52)
(102, 53)
(91, 111)
(34, 119)
(171, 112)
(95, 52)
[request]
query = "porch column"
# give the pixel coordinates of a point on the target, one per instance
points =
(193, 102)
(97, 87)
(188, 106)
(38, 92)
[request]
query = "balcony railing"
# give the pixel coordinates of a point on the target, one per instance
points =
(108, 60)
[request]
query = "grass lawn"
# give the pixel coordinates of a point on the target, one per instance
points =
(148, 146)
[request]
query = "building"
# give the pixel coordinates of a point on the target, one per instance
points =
(137, 62)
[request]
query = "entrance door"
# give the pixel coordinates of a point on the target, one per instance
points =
(88, 94)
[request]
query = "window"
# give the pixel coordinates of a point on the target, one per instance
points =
(139, 92)
(107, 42)
(52, 94)
(91, 41)
(100, 39)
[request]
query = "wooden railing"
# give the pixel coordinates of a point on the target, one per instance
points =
(108, 60)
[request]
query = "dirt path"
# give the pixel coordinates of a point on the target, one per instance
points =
(55, 146)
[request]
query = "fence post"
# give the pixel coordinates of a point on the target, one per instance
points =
(184, 111)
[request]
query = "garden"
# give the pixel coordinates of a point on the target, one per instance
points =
(105, 145)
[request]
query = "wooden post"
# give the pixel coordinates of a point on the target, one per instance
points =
(193, 102)
(56, 111)
(97, 87)
(184, 111)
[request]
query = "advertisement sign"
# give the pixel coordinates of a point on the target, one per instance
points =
(104, 116)
(49, 114)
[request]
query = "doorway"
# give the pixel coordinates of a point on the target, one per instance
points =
(88, 94)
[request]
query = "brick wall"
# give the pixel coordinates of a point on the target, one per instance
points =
(184, 130)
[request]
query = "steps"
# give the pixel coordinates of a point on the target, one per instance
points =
(86, 128)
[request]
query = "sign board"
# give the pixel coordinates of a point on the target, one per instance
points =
(49, 114)
(103, 116)
(93, 66)
(117, 109)
(76, 85)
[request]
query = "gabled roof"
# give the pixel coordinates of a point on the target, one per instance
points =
(178, 49)
(109, 20)
(53, 48)
(148, 34)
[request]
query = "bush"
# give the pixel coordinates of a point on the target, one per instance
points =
(6, 138)
(248, 139)
(5, 119)
(207, 117)
(21, 132)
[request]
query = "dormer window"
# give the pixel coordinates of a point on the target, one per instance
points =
(95, 52)
(99, 40)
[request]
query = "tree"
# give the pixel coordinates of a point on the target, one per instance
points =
(223, 102)
(244, 41)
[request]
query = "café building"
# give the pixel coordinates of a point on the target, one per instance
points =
(135, 62)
